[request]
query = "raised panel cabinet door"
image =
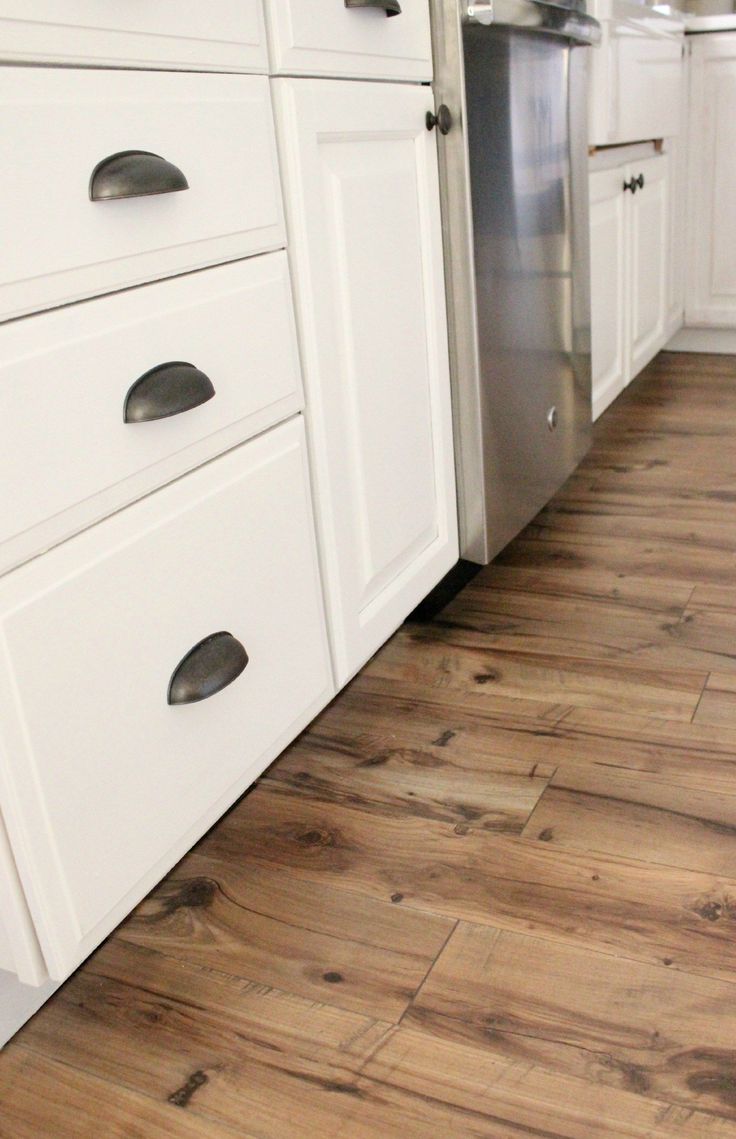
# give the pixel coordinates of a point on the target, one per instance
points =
(128, 725)
(711, 275)
(648, 233)
(608, 292)
(362, 196)
(330, 38)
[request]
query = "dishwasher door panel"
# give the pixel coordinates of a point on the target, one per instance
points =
(535, 385)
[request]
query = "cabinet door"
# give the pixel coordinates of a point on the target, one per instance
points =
(608, 286)
(648, 233)
(363, 211)
(711, 276)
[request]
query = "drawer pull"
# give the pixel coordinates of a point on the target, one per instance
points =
(167, 389)
(390, 7)
(209, 667)
(134, 174)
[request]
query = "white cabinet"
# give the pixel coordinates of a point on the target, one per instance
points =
(105, 781)
(368, 41)
(361, 189)
(630, 230)
(711, 275)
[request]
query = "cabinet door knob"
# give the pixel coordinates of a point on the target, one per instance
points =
(207, 668)
(631, 185)
(442, 120)
(390, 7)
(167, 389)
(639, 181)
(134, 174)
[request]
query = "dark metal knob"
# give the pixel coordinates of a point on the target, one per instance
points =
(631, 185)
(168, 389)
(207, 668)
(639, 181)
(442, 120)
(134, 174)
(390, 7)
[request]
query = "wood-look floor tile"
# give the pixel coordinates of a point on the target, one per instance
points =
(645, 912)
(560, 626)
(275, 1064)
(624, 1024)
(691, 755)
(637, 594)
(457, 659)
(525, 1098)
(360, 752)
(41, 1098)
(605, 810)
(678, 561)
(718, 702)
(252, 922)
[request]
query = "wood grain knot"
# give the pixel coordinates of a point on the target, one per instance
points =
(183, 1095)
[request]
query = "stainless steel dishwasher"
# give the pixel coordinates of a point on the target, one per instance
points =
(511, 98)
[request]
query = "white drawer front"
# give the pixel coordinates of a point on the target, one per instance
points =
(69, 457)
(58, 245)
(323, 37)
(222, 35)
(104, 784)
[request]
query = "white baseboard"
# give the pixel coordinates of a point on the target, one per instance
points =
(720, 340)
(19, 1002)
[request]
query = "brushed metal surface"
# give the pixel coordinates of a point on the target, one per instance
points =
(521, 195)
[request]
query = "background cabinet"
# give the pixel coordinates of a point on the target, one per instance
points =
(630, 266)
(711, 277)
(362, 201)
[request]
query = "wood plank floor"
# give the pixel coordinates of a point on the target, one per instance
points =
(491, 892)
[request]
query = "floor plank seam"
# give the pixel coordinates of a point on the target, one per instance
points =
(425, 978)
(700, 698)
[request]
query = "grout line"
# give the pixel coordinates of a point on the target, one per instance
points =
(425, 978)
(706, 682)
